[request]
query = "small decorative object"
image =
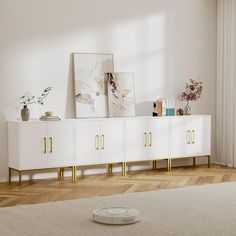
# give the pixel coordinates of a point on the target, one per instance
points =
(180, 112)
(154, 113)
(121, 102)
(193, 91)
(25, 113)
(28, 99)
(48, 113)
(170, 107)
(91, 99)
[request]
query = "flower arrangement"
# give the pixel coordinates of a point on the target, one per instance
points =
(193, 91)
(28, 99)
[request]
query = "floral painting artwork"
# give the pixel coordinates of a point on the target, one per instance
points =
(121, 96)
(91, 98)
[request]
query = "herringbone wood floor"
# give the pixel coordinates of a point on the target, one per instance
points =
(98, 185)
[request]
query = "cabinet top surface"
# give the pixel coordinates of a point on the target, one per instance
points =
(106, 118)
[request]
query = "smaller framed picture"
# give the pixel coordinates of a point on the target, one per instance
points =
(121, 94)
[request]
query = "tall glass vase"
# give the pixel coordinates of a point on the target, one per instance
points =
(187, 109)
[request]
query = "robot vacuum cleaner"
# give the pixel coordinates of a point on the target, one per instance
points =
(116, 215)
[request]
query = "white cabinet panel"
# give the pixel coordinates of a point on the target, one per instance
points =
(136, 139)
(33, 138)
(159, 138)
(112, 141)
(60, 144)
(36, 145)
(180, 137)
(200, 136)
(87, 142)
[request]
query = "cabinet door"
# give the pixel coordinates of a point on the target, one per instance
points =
(87, 142)
(180, 136)
(60, 144)
(112, 141)
(33, 146)
(136, 139)
(158, 138)
(201, 136)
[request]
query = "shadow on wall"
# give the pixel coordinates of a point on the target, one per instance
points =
(144, 108)
(70, 101)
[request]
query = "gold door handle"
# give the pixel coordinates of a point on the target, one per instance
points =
(97, 142)
(50, 144)
(150, 139)
(102, 141)
(193, 136)
(188, 137)
(45, 145)
(145, 138)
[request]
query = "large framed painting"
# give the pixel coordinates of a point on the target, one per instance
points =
(121, 94)
(91, 97)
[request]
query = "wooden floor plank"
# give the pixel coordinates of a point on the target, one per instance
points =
(39, 191)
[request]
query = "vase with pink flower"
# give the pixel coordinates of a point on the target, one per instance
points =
(193, 91)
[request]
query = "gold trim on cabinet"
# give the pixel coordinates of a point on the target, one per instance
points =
(45, 145)
(188, 137)
(192, 136)
(102, 141)
(150, 139)
(97, 142)
(50, 140)
(145, 138)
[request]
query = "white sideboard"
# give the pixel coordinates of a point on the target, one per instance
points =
(36, 145)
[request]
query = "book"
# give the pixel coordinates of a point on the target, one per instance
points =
(49, 118)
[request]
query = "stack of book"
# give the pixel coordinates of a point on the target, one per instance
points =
(49, 118)
(161, 107)
(165, 107)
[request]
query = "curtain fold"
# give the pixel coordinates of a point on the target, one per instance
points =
(226, 83)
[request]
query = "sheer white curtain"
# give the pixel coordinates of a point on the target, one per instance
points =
(226, 83)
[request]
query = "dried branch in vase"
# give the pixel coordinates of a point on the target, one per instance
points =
(28, 99)
(193, 91)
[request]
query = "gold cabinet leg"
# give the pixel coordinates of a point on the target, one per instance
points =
(194, 161)
(109, 168)
(61, 173)
(209, 161)
(154, 165)
(74, 174)
(20, 178)
(9, 175)
(123, 168)
(169, 164)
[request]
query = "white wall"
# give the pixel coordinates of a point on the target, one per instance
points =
(164, 42)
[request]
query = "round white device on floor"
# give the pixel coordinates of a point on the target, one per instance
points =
(116, 215)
